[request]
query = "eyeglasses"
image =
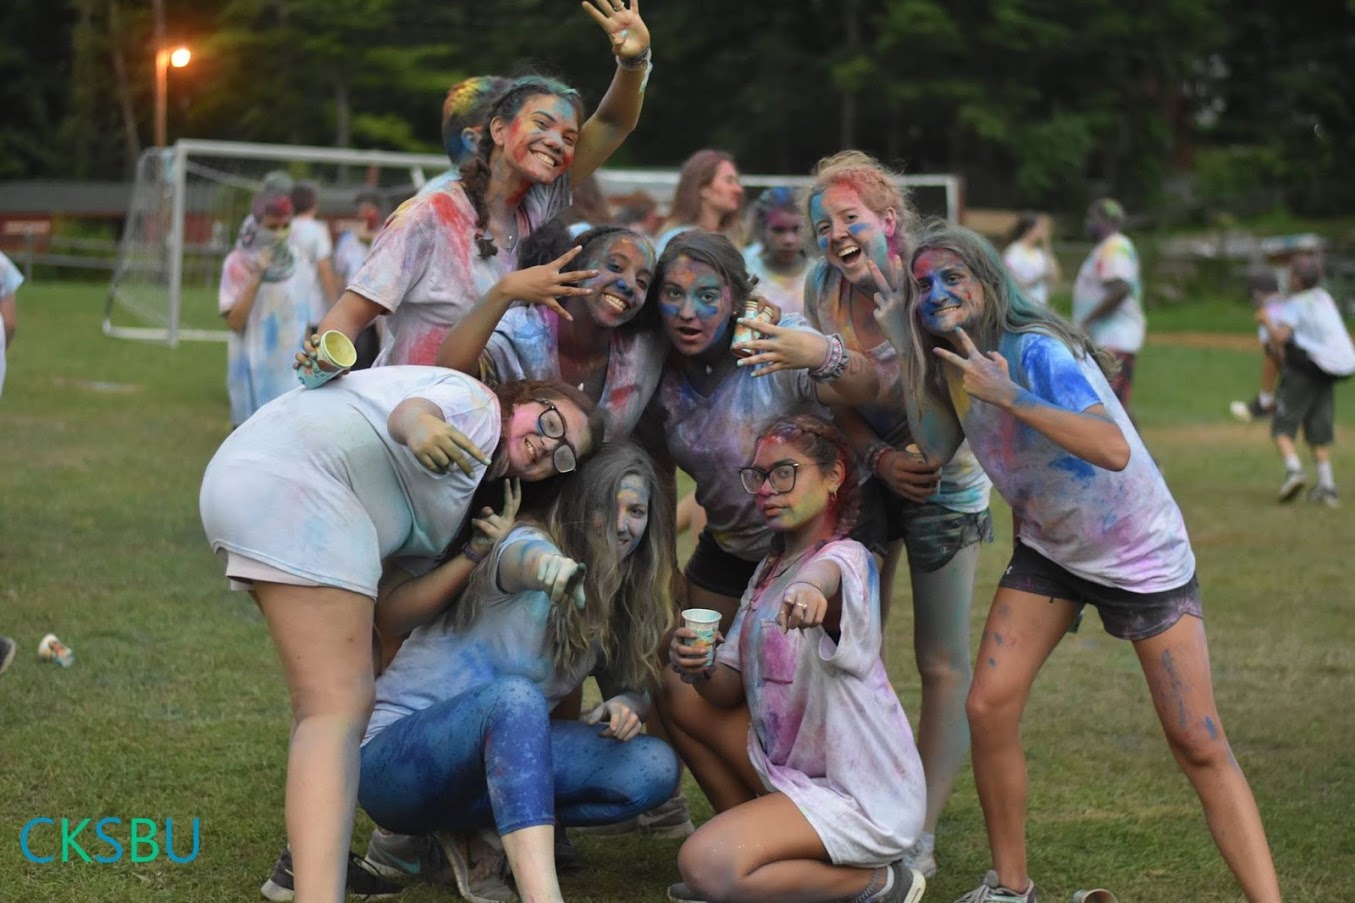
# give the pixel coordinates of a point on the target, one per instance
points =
(782, 477)
(551, 424)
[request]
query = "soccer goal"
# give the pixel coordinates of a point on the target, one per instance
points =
(189, 200)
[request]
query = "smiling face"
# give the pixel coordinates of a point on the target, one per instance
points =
(625, 265)
(782, 238)
(539, 141)
(724, 194)
(806, 501)
(696, 305)
(849, 233)
(632, 513)
(529, 449)
(949, 297)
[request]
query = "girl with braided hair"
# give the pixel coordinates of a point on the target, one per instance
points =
(441, 252)
(796, 709)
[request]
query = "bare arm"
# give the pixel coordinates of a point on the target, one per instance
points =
(238, 315)
(351, 314)
(619, 110)
(1116, 291)
(9, 317)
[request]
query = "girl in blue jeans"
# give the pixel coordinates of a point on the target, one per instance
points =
(461, 739)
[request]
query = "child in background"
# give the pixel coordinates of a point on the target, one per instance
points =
(780, 257)
(1263, 289)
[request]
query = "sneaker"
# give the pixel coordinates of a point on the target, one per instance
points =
(681, 893)
(922, 856)
(909, 885)
(992, 892)
(405, 857)
(7, 649)
(1247, 411)
(362, 882)
(1294, 481)
(478, 864)
(1324, 494)
(672, 818)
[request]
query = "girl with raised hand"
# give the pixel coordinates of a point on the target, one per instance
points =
(1096, 525)
(440, 252)
(461, 743)
(796, 712)
(313, 496)
(601, 337)
(708, 196)
(859, 215)
(779, 257)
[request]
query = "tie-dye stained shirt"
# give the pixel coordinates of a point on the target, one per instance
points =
(1114, 258)
(711, 437)
(259, 360)
(526, 345)
(425, 268)
(1119, 529)
(964, 486)
(826, 726)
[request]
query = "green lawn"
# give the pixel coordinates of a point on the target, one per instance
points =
(175, 706)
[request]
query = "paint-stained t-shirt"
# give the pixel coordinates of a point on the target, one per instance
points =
(1119, 529)
(260, 358)
(1115, 258)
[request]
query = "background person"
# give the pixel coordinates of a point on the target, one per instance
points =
(780, 257)
(314, 251)
(10, 280)
(708, 196)
(1030, 257)
(1108, 293)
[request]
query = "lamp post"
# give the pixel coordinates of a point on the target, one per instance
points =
(164, 58)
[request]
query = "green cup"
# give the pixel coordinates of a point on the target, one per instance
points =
(334, 355)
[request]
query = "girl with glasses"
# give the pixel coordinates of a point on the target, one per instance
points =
(306, 503)
(461, 744)
(796, 712)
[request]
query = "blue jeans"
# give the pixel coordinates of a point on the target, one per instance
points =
(492, 756)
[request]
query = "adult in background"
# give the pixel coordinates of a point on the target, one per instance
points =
(10, 280)
(780, 257)
(1030, 258)
(463, 121)
(708, 196)
(314, 251)
(350, 250)
(1108, 293)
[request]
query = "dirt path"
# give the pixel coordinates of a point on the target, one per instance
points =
(1229, 341)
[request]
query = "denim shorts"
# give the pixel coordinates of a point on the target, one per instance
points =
(1126, 615)
(932, 534)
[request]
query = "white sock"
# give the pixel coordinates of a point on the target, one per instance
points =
(1324, 477)
(889, 884)
(1265, 398)
(1292, 464)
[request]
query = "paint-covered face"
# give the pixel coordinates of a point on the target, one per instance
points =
(539, 142)
(849, 233)
(786, 511)
(625, 266)
(632, 513)
(724, 194)
(696, 305)
(530, 451)
(782, 238)
(949, 297)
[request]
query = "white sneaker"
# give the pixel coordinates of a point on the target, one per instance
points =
(1294, 481)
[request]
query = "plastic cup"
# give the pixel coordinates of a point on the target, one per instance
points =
(704, 622)
(334, 355)
(1096, 895)
(50, 649)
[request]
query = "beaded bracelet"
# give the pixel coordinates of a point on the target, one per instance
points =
(877, 452)
(835, 364)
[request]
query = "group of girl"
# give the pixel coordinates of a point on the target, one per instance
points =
(821, 445)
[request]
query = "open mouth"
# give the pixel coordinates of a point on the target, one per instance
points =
(689, 333)
(546, 158)
(532, 450)
(849, 254)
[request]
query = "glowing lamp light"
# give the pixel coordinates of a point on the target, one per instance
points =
(180, 57)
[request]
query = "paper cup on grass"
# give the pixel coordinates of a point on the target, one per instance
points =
(1096, 895)
(703, 622)
(334, 355)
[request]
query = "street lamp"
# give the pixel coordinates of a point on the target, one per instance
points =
(164, 58)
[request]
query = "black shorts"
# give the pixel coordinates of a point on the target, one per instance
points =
(932, 534)
(1127, 615)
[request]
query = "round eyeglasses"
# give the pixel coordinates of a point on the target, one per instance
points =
(551, 424)
(781, 476)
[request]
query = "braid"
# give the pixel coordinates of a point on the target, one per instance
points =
(823, 443)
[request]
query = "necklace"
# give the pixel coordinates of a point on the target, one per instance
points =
(780, 568)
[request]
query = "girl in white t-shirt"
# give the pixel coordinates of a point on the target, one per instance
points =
(321, 490)
(1030, 259)
(796, 717)
(1096, 525)
(779, 258)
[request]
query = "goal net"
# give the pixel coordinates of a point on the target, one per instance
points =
(188, 202)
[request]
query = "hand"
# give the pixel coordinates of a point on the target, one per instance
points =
(802, 606)
(438, 445)
(781, 348)
(562, 578)
(624, 27)
(262, 261)
(892, 296)
(306, 356)
(909, 476)
(688, 656)
(985, 375)
(622, 722)
(489, 527)
(546, 283)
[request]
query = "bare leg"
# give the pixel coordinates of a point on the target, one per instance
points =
(323, 636)
(765, 850)
(531, 853)
(1176, 664)
(1021, 631)
(711, 741)
(889, 569)
(1270, 373)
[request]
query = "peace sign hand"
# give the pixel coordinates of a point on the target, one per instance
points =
(626, 30)
(490, 527)
(891, 302)
(985, 375)
(546, 283)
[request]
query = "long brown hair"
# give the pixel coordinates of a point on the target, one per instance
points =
(698, 172)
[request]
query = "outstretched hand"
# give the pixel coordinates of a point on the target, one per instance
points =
(489, 527)
(624, 27)
(802, 606)
(546, 283)
(780, 348)
(562, 578)
(986, 376)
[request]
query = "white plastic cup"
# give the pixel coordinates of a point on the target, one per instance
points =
(334, 355)
(50, 649)
(1096, 895)
(704, 622)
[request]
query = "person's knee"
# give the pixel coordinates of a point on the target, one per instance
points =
(352, 699)
(708, 869)
(943, 667)
(1199, 746)
(647, 773)
(514, 698)
(990, 708)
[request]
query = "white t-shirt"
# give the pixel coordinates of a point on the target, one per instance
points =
(1114, 258)
(349, 253)
(786, 292)
(1031, 268)
(1119, 529)
(1320, 331)
(826, 726)
(311, 243)
(711, 437)
(314, 484)
(526, 345)
(425, 268)
(10, 280)
(259, 360)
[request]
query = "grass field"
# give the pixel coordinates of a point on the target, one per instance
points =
(176, 707)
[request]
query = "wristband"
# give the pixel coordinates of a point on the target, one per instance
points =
(642, 61)
(469, 551)
(876, 454)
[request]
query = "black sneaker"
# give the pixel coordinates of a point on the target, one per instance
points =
(362, 881)
(7, 649)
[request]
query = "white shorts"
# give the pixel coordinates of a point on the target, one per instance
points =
(243, 571)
